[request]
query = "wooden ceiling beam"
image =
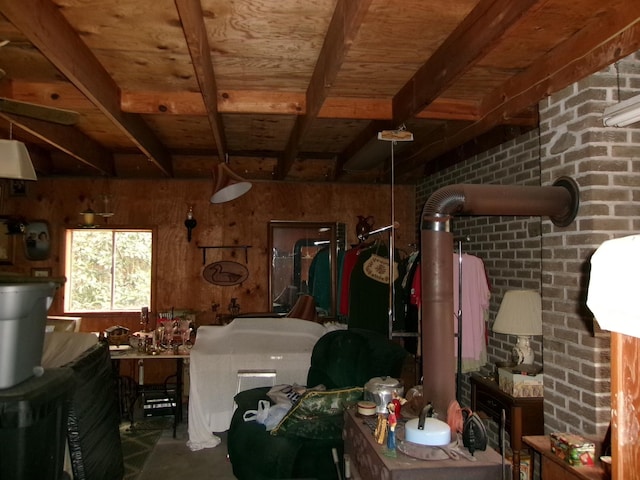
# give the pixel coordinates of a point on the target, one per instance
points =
(344, 25)
(195, 33)
(582, 55)
(52, 94)
(67, 139)
(42, 22)
(472, 39)
(66, 95)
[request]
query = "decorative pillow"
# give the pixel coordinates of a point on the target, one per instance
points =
(319, 414)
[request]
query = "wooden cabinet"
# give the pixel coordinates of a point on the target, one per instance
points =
(522, 415)
(554, 468)
(371, 461)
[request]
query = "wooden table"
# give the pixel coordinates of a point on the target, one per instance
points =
(523, 415)
(369, 461)
(141, 387)
(554, 468)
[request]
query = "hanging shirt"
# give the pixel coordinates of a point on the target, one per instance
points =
(475, 304)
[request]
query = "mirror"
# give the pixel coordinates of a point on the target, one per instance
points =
(304, 260)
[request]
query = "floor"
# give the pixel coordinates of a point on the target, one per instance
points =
(171, 459)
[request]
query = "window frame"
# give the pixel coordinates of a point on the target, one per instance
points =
(154, 266)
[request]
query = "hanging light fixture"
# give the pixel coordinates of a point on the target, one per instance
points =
(393, 136)
(15, 161)
(228, 185)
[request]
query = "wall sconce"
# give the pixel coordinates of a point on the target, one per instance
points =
(190, 222)
(228, 185)
(88, 217)
(107, 208)
(520, 314)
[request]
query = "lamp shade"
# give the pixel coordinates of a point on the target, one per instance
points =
(520, 313)
(228, 185)
(613, 285)
(15, 161)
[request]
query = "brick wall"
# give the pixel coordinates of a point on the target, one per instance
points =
(530, 252)
(601, 160)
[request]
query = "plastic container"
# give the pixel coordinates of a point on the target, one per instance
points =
(23, 319)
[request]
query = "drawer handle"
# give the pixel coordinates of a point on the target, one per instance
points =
(492, 403)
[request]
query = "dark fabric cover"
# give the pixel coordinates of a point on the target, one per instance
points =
(93, 424)
(318, 414)
(350, 358)
(343, 358)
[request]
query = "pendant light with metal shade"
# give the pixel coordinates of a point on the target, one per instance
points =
(227, 184)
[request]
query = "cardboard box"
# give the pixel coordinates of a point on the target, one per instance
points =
(573, 449)
(519, 385)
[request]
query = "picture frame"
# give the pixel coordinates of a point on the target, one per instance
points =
(7, 242)
(41, 272)
(37, 240)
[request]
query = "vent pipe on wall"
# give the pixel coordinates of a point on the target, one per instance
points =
(559, 202)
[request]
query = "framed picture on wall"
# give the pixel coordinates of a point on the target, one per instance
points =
(37, 240)
(6, 242)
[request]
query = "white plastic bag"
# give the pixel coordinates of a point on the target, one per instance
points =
(259, 415)
(267, 415)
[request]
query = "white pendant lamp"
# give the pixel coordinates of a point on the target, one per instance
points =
(15, 161)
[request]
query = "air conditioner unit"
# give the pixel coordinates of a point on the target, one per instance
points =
(622, 114)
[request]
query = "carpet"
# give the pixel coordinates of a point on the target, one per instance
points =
(138, 443)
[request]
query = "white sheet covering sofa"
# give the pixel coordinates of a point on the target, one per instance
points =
(245, 345)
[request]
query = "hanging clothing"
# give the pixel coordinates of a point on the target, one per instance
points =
(350, 258)
(320, 279)
(369, 298)
(475, 305)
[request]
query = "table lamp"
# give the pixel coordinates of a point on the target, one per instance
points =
(520, 314)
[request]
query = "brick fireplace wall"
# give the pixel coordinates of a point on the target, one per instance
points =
(530, 252)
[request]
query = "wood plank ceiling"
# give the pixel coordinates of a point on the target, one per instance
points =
(295, 89)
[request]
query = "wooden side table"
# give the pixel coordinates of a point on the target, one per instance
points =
(554, 468)
(523, 415)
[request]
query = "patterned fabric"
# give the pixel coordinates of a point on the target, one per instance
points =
(318, 414)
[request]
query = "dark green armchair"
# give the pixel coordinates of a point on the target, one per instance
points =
(342, 358)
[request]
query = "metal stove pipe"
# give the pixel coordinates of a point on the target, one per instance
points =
(559, 202)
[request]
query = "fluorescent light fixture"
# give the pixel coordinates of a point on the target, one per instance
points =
(623, 113)
(15, 161)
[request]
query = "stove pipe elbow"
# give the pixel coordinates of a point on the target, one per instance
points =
(559, 202)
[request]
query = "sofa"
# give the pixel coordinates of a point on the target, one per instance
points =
(341, 359)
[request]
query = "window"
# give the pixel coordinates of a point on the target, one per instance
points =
(108, 270)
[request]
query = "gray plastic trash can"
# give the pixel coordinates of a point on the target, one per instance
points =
(23, 318)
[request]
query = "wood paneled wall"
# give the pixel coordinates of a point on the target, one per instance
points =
(163, 204)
